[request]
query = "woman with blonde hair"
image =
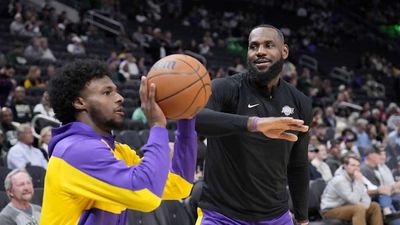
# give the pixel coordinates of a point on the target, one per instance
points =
(33, 78)
(44, 139)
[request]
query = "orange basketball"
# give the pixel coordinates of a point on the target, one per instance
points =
(183, 85)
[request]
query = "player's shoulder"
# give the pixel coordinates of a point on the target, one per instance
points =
(230, 81)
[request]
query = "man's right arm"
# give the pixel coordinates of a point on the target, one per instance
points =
(218, 118)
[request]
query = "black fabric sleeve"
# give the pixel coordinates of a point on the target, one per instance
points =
(219, 118)
(210, 123)
(298, 176)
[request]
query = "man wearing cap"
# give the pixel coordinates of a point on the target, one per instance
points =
(378, 192)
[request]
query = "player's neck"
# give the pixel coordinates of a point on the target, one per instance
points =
(272, 83)
(85, 118)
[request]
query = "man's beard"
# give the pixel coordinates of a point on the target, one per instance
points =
(262, 78)
(99, 119)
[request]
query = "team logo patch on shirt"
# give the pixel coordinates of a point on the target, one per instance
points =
(287, 110)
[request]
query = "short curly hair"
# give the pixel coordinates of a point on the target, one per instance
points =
(67, 83)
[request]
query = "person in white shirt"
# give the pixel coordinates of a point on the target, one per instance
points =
(47, 53)
(319, 163)
(23, 152)
(44, 106)
(128, 68)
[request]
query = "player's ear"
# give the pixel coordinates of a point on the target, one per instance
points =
(79, 103)
(285, 51)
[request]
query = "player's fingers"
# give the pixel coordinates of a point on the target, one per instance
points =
(288, 136)
(143, 89)
(301, 128)
(152, 93)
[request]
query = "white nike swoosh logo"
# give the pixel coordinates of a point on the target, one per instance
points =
(252, 106)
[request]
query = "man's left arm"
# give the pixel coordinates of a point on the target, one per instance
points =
(180, 177)
(298, 176)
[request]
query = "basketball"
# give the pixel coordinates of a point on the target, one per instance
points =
(183, 85)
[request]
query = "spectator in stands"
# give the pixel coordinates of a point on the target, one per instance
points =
(334, 155)
(312, 154)
(128, 68)
(363, 140)
(76, 46)
(20, 210)
(388, 178)
(319, 163)
(21, 109)
(44, 139)
(394, 118)
(7, 84)
(33, 78)
(16, 57)
(34, 52)
(139, 38)
(8, 126)
(157, 45)
(378, 191)
(44, 106)
(47, 53)
(393, 147)
(143, 68)
(32, 27)
(24, 152)
(345, 196)
(3, 149)
(17, 26)
(50, 72)
(347, 145)
(138, 115)
(329, 117)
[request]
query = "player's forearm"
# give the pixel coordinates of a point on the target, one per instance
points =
(185, 150)
(213, 123)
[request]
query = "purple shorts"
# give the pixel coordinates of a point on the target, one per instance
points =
(207, 217)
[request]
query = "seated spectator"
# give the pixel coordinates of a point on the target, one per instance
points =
(21, 109)
(33, 51)
(7, 83)
(319, 163)
(388, 177)
(349, 138)
(33, 78)
(393, 147)
(32, 27)
(312, 153)
(378, 191)
(20, 210)
(9, 127)
(76, 47)
(15, 56)
(363, 139)
(3, 149)
(44, 106)
(334, 155)
(138, 115)
(45, 136)
(128, 68)
(47, 53)
(329, 117)
(345, 196)
(17, 26)
(23, 152)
